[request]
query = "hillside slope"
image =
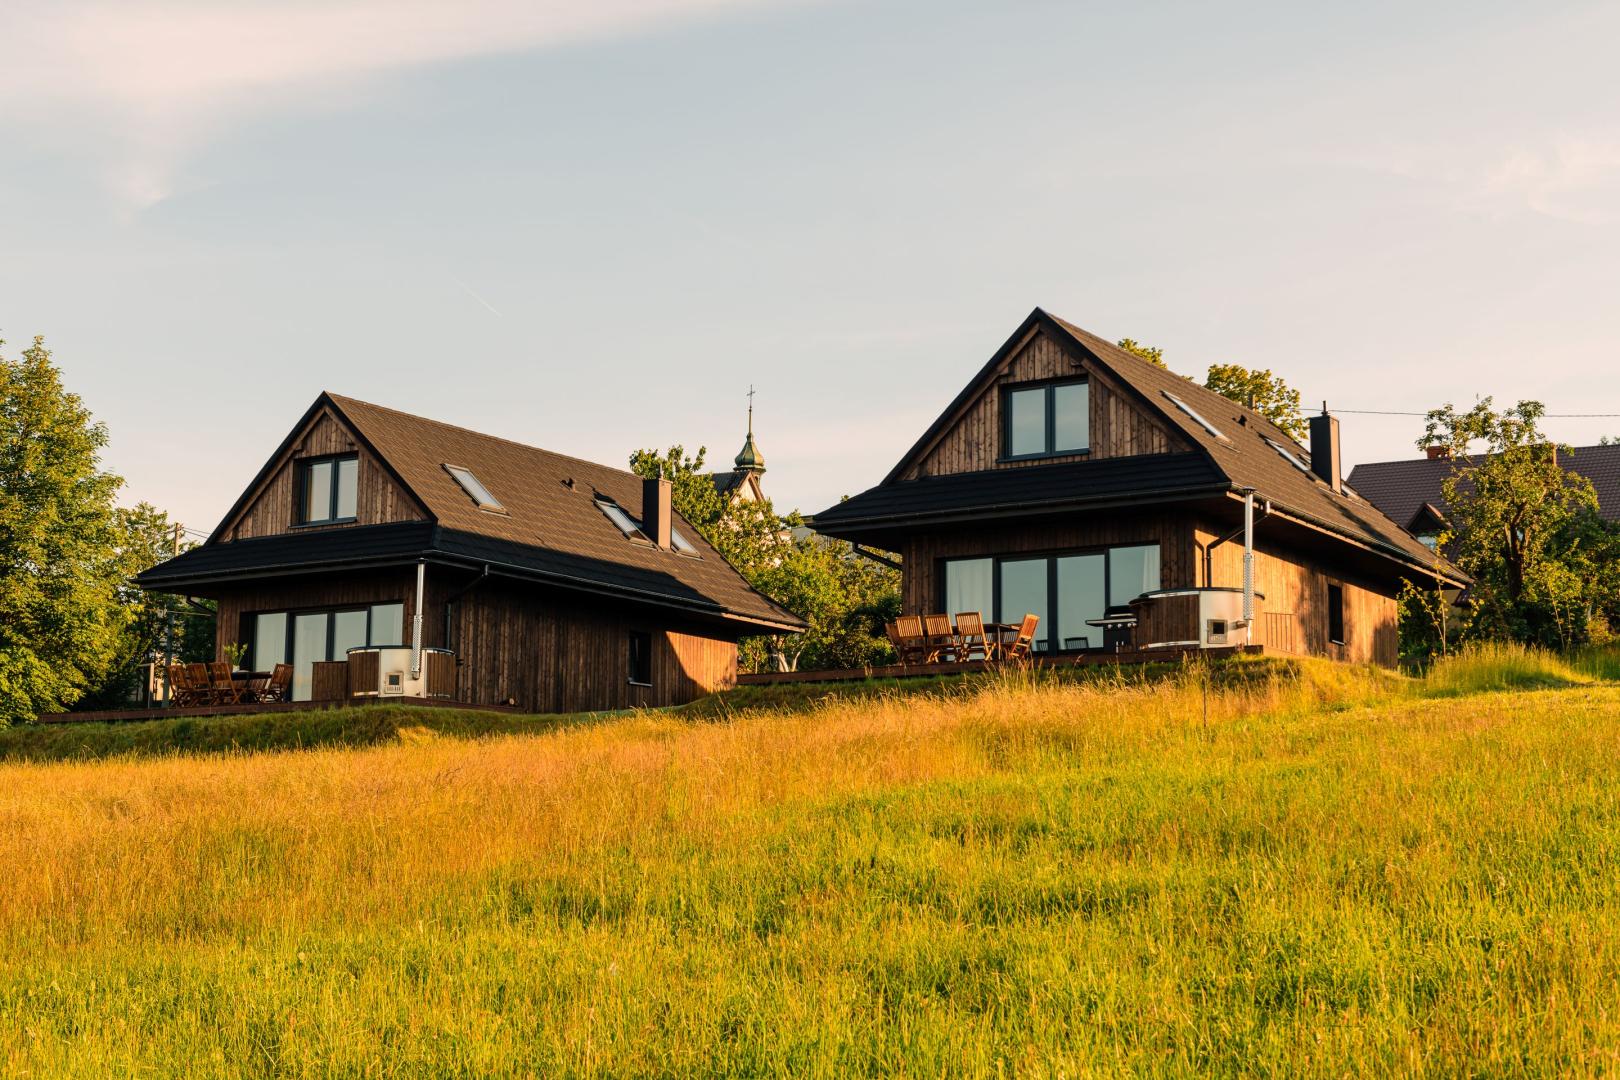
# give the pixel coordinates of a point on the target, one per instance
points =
(1318, 872)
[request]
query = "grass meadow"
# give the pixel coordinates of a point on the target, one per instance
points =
(1311, 870)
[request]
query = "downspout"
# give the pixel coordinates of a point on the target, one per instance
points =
(1248, 567)
(416, 619)
(1246, 529)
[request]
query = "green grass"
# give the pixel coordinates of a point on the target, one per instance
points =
(1275, 869)
(368, 725)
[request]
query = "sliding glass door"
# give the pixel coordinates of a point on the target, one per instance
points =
(304, 637)
(1066, 590)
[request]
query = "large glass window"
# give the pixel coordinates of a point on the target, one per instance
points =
(321, 635)
(1082, 594)
(1065, 590)
(1024, 592)
(269, 640)
(970, 586)
(329, 489)
(1051, 418)
(1132, 571)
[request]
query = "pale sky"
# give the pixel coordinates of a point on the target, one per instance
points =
(590, 226)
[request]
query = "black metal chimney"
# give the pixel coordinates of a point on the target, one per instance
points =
(656, 510)
(1325, 448)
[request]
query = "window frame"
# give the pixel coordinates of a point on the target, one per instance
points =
(248, 626)
(1335, 600)
(1049, 386)
(1053, 615)
(645, 668)
(303, 467)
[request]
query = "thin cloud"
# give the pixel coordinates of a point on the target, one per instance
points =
(1575, 179)
(143, 83)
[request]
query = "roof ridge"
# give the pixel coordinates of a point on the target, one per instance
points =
(342, 399)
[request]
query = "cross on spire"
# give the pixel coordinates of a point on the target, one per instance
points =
(750, 410)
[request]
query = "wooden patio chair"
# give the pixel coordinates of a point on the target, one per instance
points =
(970, 637)
(942, 644)
(279, 686)
(1025, 642)
(181, 693)
(225, 689)
(913, 645)
(202, 691)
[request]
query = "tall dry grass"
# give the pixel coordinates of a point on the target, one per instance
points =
(1315, 870)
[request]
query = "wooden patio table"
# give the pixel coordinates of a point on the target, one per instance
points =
(244, 680)
(998, 635)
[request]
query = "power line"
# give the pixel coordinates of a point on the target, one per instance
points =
(1546, 416)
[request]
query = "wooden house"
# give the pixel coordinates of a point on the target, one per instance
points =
(484, 570)
(1078, 482)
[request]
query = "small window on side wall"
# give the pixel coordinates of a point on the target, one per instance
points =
(640, 644)
(1336, 614)
(328, 489)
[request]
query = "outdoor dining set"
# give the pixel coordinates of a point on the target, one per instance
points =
(217, 684)
(935, 639)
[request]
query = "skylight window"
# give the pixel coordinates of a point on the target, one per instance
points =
(1195, 416)
(627, 524)
(680, 543)
(1289, 456)
(477, 492)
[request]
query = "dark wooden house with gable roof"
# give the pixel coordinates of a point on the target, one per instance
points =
(1076, 481)
(556, 584)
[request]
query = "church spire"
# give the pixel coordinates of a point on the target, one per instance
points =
(749, 459)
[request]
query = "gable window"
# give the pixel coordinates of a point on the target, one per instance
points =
(328, 489)
(1335, 614)
(1046, 419)
(640, 646)
(476, 491)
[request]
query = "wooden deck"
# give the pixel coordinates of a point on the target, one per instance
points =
(107, 716)
(914, 671)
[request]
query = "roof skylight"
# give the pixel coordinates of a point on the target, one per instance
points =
(615, 513)
(476, 491)
(1195, 416)
(1289, 456)
(680, 543)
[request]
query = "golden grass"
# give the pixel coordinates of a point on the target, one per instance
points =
(1320, 871)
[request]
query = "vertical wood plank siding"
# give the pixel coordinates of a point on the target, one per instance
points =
(1295, 585)
(515, 642)
(1119, 426)
(379, 499)
(547, 655)
(920, 584)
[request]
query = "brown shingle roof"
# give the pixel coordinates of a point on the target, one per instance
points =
(1243, 457)
(553, 525)
(1402, 488)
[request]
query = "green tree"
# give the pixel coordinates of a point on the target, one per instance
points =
(1260, 390)
(841, 595)
(1524, 527)
(1151, 353)
(62, 543)
(157, 622)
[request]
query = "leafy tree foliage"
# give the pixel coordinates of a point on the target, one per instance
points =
(1260, 390)
(158, 624)
(844, 597)
(1151, 353)
(65, 550)
(1525, 528)
(1256, 388)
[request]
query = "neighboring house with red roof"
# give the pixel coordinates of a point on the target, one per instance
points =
(507, 573)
